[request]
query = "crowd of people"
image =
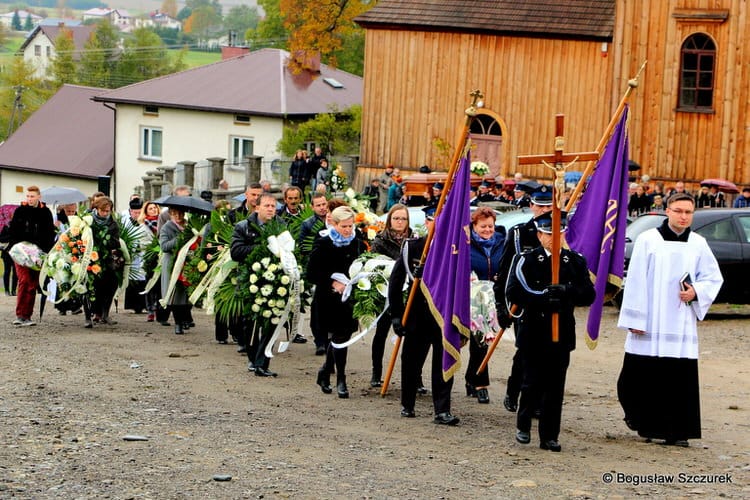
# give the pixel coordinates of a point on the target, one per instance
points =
(644, 198)
(516, 265)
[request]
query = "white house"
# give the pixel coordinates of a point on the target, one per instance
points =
(119, 18)
(47, 151)
(39, 47)
(228, 109)
(7, 18)
(158, 19)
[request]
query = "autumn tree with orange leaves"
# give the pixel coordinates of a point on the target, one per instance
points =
(319, 28)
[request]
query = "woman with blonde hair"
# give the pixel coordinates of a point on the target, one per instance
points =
(334, 253)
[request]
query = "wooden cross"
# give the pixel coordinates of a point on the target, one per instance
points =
(556, 162)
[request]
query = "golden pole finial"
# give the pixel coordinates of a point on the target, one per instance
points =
(476, 102)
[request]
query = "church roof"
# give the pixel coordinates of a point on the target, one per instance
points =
(569, 19)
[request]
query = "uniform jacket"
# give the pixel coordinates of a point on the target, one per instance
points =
(521, 238)
(530, 274)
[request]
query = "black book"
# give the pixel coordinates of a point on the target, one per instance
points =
(685, 280)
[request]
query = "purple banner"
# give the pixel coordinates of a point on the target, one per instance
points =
(445, 281)
(597, 229)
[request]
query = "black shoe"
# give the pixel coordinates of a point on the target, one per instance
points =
(471, 391)
(446, 418)
(422, 390)
(186, 326)
(299, 339)
(509, 404)
(264, 372)
(324, 381)
(178, 330)
(191, 324)
(250, 366)
(682, 443)
(483, 396)
(550, 445)
(242, 348)
(342, 391)
(320, 350)
(407, 413)
(523, 437)
(376, 382)
(88, 324)
(164, 323)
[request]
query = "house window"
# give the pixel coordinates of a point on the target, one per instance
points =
(240, 148)
(151, 143)
(242, 119)
(49, 51)
(151, 110)
(38, 50)
(698, 55)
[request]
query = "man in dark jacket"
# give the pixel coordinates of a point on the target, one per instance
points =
(420, 332)
(252, 192)
(307, 234)
(521, 238)
(244, 239)
(545, 362)
(31, 222)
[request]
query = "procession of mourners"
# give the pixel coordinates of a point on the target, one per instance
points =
(319, 260)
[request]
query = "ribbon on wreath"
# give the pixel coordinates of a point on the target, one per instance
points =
(282, 246)
(216, 275)
(125, 269)
(179, 263)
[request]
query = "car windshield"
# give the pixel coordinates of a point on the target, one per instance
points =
(642, 223)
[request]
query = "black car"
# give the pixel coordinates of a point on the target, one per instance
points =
(727, 231)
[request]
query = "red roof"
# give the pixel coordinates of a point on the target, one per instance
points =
(572, 19)
(47, 142)
(257, 83)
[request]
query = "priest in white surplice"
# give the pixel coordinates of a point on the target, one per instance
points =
(658, 384)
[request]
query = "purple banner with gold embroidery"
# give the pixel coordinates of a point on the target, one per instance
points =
(597, 228)
(445, 281)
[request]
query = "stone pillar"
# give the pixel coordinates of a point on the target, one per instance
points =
(189, 168)
(252, 169)
(168, 173)
(156, 174)
(147, 192)
(156, 187)
(217, 171)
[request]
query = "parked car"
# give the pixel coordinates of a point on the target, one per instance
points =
(727, 231)
(416, 217)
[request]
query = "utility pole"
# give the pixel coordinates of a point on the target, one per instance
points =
(17, 108)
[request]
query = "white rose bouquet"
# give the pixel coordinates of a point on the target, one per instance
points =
(484, 324)
(480, 168)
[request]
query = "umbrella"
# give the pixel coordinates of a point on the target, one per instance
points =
(62, 196)
(188, 203)
(161, 199)
(573, 176)
(6, 214)
(723, 185)
(239, 197)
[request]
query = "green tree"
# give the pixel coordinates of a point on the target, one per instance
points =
(351, 56)
(29, 24)
(241, 18)
(63, 67)
(184, 13)
(99, 57)
(3, 35)
(20, 75)
(338, 131)
(270, 31)
(144, 56)
(16, 22)
(202, 21)
(169, 7)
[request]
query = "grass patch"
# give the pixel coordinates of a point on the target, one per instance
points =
(195, 58)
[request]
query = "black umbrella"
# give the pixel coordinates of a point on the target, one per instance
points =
(188, 204)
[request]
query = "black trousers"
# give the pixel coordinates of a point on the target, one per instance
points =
(10, 280)
(105, 288)
(543, 386)
(378, 344)
(513, 389)
(336, 358)
(223, 329)
(320, 336)
(477, 352)
(416, 345)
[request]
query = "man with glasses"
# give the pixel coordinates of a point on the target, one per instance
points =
(672, 280)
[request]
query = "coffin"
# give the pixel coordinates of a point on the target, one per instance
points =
(417, 184)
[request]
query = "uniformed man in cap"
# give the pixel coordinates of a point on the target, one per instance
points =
(545, 363)
(485, 192)
(434, 197)
(420, 333)
(521, 194)
(521, 238)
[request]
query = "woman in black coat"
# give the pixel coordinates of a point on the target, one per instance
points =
(388, 242)
(486, 251)
(333, 253)
(106, 235)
